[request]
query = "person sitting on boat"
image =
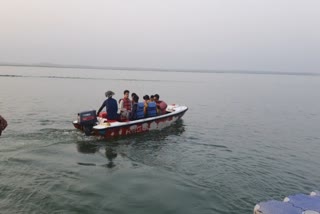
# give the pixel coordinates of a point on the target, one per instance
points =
(132, 95)
(3, 124)
(125, 106)
(150, 107)
(161, 105)
(146, 101)
(111, 106)
(137, 109)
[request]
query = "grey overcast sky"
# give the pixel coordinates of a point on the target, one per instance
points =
(254, 35)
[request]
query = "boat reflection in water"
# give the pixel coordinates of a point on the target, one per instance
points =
(91, 148)
(111, 148)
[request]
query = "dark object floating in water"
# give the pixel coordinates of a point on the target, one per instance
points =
(3, 124)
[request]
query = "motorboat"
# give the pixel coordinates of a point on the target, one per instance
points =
(91, 124)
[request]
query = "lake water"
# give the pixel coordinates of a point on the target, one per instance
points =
(246, 138)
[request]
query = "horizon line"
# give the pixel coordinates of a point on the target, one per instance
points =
(122, 68)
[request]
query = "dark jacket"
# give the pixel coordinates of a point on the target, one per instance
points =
(111, 108)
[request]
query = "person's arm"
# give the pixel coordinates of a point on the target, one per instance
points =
(145, 108)
(103, 105)
(120, 109)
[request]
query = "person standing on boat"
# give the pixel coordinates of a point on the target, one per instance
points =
(125, 105)
(161, 105)
(111, 106)
(3, 124)
(132, 96)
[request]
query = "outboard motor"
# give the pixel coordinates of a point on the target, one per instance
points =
(87, 120)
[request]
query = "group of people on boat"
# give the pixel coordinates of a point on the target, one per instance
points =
(132, 109)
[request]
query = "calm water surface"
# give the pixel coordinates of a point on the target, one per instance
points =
(246, 138)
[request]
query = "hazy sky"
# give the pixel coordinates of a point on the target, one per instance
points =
(257, 35)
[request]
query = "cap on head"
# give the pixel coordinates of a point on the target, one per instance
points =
(109, 93)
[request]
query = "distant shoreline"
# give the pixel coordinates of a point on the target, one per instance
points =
(49, 65)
